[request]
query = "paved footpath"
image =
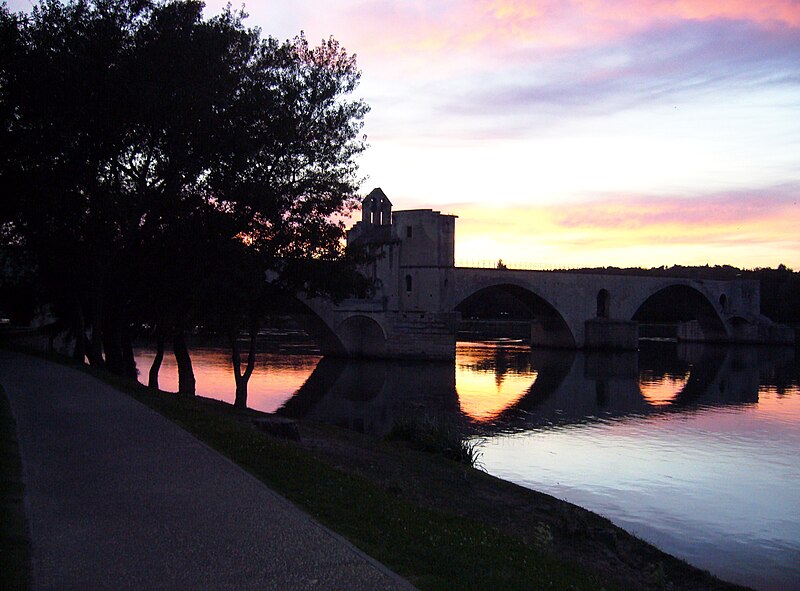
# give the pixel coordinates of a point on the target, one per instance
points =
(118, 497)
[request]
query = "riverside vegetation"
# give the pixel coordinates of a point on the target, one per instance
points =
(440, 523)
(14, 544)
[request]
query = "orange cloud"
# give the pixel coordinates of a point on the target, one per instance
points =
(748, 231)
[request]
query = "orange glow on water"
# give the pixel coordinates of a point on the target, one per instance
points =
(662, 390)
(485, 385)
(484, 395)
(275, 378)
(780, 402)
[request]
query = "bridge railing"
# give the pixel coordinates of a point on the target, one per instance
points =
(514, 265)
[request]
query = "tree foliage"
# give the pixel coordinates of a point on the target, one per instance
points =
(157, 163)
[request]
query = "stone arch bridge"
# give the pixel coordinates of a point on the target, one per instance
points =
(421, 294)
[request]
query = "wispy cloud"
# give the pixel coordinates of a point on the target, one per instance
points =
(488, 30)
(663, 66)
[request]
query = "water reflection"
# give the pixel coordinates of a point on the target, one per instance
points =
(504, 389)
(498, 388)
(599, 386)
(492, 377)
(661, 390)
(276, 378)
(369, 396)
(693, 448)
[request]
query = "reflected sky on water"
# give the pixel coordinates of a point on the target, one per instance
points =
(693, 448)
(276, 378)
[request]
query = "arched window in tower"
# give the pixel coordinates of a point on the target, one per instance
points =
(408, 283)
(603, 298)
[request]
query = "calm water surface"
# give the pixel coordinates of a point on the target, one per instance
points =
(696, 449)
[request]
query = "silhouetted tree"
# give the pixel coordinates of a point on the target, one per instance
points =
(288, 170)
(67, 90)
(141, 142)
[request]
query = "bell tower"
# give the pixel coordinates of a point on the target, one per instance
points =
(376, 209)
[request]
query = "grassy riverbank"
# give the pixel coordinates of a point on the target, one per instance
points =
(440, 524)
(432, 548)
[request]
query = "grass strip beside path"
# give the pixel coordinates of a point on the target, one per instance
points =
(432, 549)
(15, 548)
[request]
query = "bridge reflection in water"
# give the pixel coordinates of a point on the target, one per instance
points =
(506, 388)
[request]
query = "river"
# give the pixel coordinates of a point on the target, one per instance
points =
(693, 448)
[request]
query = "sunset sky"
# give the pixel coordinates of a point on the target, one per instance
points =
(582, 132)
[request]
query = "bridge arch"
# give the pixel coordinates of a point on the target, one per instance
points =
(682, 302)
(548, 326)
(362, 336)
(312, 320)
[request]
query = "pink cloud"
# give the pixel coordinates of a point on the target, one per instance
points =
(656, 66)
(427, 47)
(458, 26)
(743, 209)
(593, 20)
(479, 29)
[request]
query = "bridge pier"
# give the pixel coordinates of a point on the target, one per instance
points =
(416, 335)
(611, 334)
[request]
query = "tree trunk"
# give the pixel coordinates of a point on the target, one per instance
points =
(95, 349)
(152, 378)
(186, 383)
(128, 358)
(111, 342)
(242, 379)
(79, 352)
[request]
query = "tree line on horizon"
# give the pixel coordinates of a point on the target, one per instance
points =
(155, 164)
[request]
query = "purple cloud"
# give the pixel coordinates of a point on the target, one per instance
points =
(661, 65)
